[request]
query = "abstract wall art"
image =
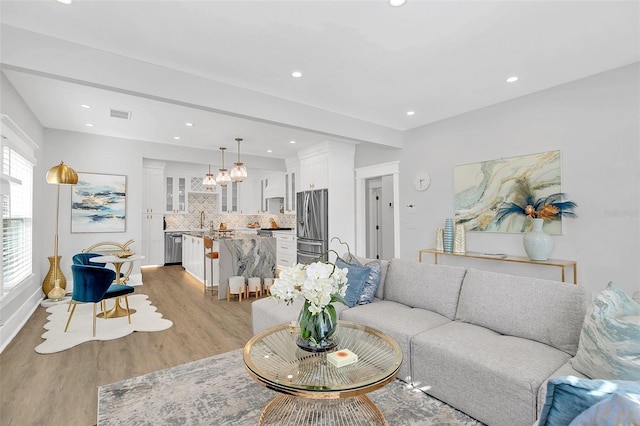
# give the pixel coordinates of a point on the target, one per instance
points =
(481, 188)
(98, 203)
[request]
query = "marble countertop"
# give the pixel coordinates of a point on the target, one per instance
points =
(235, 235)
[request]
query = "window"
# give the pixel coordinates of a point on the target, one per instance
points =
(16, 188)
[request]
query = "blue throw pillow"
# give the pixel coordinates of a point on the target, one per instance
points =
(356, 276)
(619, 409)
(568, 396)
(371, 283)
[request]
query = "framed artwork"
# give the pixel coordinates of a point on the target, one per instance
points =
(99, 203)
(481, 188)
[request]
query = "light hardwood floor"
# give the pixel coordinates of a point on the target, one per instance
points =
(62, 388)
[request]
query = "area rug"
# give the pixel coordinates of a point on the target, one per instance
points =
(219, 391)
(81, 329)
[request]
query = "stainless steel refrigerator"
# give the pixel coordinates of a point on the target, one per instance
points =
(313, 224)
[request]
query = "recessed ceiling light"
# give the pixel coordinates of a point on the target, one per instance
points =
(411, 112)
(64, 1)
(85, 106)
(512, 79)
(292, 141)
(189, 124)
(269, 150)
(176, 137)
(397, 3)
(296, 74)
(89, 125)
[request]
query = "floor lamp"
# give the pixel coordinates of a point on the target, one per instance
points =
(60, 174)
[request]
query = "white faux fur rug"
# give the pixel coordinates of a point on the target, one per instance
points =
(80, 330)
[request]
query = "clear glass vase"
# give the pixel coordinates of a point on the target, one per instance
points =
(317, 330)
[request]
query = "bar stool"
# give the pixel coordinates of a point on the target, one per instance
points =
(236, 286)
(209, 254)
(254, 286)
(268, 282)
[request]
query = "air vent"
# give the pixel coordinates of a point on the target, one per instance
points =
(125, 115)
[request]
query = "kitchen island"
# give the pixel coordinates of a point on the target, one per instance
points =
(248, 255)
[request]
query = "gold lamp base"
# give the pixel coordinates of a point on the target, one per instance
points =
(49, 281)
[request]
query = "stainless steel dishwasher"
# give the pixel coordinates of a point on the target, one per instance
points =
(173, 248)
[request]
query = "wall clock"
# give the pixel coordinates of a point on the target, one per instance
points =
(421, 180)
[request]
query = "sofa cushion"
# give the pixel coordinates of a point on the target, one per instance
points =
(569, 396)
(356, 277)
(609, 345)
(396, 320)
(422, 285)
(549, 312)
(492, 377)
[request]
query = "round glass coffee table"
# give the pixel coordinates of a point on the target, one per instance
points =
(314, 391)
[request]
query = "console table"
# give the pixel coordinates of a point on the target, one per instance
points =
(562, 264)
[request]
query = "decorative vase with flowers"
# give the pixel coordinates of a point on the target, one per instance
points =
(320, 284)
(537, 243)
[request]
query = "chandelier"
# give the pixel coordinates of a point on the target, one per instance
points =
(239, 171)
(208, 182)
(223, 177)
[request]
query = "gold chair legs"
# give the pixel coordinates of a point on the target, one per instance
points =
(103, 305)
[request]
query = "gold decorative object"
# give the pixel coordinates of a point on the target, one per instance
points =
(60, 174)
(57, 293)
(54, 274)
(460, 240)
(123, 254)
(440, 239)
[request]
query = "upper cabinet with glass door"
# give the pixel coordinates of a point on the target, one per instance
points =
(176, 194)
(290, 185)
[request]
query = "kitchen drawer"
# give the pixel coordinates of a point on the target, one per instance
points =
(286, 260)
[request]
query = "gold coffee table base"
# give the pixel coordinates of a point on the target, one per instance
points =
(291, 410)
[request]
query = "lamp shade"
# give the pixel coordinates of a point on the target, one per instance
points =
(208, 182)
(62, 175)
(223, 177)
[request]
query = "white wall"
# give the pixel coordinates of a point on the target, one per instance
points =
(595, 124)
(18, 305)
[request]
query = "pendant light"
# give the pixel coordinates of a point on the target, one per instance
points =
(223, 177)
(239, 171)
(208, 181)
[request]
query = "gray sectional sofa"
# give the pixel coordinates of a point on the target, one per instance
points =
(484, 343)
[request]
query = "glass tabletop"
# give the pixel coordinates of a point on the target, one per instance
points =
(274, 360)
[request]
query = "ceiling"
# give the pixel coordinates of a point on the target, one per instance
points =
(226, 65)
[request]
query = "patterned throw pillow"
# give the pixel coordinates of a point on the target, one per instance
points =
(568, 396)
(356, 277)
(619, 409)
(609, 346)
(371, 283)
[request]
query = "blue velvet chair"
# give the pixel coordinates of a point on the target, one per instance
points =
(93, 284)
(83, 259)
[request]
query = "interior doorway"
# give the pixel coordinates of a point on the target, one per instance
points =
(385, 177)
(379, 214)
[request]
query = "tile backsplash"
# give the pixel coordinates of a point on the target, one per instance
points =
(208, 203)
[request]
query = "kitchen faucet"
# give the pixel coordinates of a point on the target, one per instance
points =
(202, 219)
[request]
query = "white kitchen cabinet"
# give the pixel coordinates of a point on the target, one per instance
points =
(314, 172)
(176, 194)
(286, 250)
(246, 198)
(274, 185)
(229, 198)
(291, 185)
(193, 260)
(152, 244)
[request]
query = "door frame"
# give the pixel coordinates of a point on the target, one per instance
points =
(362, 174)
